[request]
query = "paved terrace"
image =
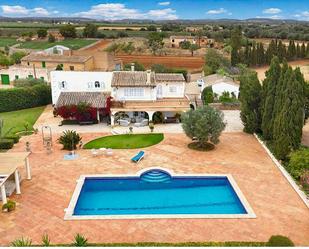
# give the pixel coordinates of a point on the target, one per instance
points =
(40, 208)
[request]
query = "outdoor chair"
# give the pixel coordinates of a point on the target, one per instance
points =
(94, 152)
(123, 122)
(143, 123)
(138, 157)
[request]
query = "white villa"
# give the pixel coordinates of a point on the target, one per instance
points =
(219, 84)
(135, 96)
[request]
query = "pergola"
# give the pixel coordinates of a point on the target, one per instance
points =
(10, 163)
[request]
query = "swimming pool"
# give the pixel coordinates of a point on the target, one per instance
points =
(157, 193)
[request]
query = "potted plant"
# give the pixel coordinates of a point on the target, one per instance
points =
(9, 206)
(131, 129)
(151, 126)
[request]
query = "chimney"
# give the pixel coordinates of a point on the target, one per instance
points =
(188, 78)
(148, 76)
(132, 67)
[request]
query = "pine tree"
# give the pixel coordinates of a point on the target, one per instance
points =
(250, 97)
(269, 94)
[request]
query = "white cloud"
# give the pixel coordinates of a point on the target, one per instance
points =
(17, 10)
(167, 14)
(304, 15)
(14, 10)
(116, 11)
(272, 11)
(40, 11)
(164, 3)
(216, 11)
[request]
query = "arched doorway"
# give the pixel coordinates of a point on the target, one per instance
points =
(158, 118)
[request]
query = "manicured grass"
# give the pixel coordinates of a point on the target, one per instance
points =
(70, 43)
(17, 119)
(7, 41)
(126, 141)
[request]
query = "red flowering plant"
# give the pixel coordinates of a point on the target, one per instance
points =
(81, 112)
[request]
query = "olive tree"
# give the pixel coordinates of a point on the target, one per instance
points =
(204, 124)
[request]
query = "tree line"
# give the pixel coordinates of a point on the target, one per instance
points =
(275, 110)
(257, 55)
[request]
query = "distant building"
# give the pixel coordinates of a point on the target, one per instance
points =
(8, 75)
(193, 29)
(202, 42)
(58, 49)
(51, 61)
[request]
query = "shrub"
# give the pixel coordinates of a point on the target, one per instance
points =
(298, 162)
(304, 180)
(45, 240)
(25, 97)
(22, 242)
(27, 82)
(80, 241)
(203, 124)
(9, 206)
(279, 241)
(69, 140)
(226, 98)
(15, 138)
(151, 126)
(16, 57)
(6, 144)
(207, 95)
(158, 117)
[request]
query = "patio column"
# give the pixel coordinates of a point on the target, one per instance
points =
(98, 115)
(150, 114)
(112, 118)
(17, 183)
(3, 194)
(28, 168)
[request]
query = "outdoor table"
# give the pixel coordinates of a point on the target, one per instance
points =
(9, 164)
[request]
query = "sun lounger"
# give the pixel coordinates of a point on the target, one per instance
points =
(138, 157)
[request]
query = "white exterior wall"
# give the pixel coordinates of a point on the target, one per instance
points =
(167, 93)
(119, 94)
(219, 88)
(60, 49)
(24, 72)
(79, 82)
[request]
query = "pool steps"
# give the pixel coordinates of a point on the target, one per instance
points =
(155, 176)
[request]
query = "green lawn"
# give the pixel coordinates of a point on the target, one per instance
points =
(70, 43)
(17, 119)
(126, 141)
(7, 41)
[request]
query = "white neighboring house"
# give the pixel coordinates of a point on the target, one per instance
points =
(68, 81)
(58, 49)
(220, 84)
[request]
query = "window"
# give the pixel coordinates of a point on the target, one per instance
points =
(97, 84)
(43, 64)
(172, 89)
(42, 78)
(133, 92)
(28, 63)
(30, 76)
(16, 77)
(71, 68)
(62, 85)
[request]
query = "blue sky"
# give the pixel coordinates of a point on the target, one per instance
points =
(158, 10)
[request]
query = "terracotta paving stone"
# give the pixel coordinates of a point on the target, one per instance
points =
(40, 208)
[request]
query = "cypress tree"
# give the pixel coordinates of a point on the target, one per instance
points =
(250, 97)
(298, 52)
(303, 51)
(269, 94)
(289, 122)
(307, 50)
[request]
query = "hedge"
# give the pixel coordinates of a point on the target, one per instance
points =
(15, 138)
(6, 144)
(21, 98)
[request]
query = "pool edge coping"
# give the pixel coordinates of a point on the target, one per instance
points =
(70, 210)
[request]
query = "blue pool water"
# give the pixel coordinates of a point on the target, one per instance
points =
(156, 192)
